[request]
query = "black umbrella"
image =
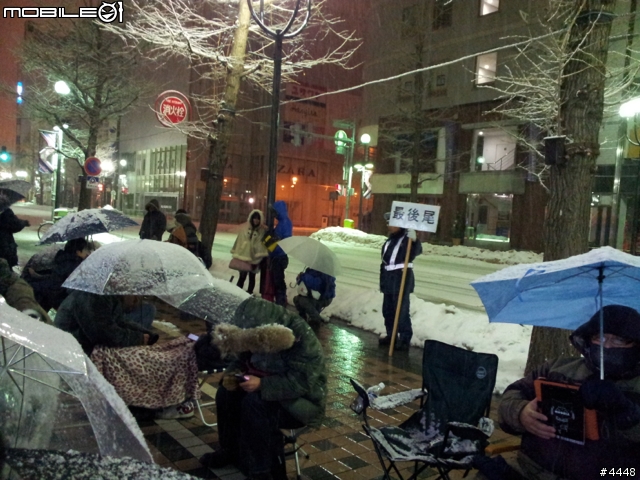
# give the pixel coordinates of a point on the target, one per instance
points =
(13, 191)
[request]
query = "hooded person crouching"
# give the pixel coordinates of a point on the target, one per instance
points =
(277, 380)
(616, 400)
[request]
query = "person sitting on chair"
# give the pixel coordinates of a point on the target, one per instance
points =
(161, 377)
(316, 292)
(47, 285)
(277, 380)
(616, 400)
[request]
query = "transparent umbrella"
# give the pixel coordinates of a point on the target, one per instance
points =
(86, 222)
(312, 253)
(216, 303)
(140, 267)
(54, 398)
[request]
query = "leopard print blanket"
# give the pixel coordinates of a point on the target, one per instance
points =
(152, 377)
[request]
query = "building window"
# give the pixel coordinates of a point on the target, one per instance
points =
(442, 14)
(489, 6)
(486, 66)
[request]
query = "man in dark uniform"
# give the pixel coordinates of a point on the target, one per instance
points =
(393, 254)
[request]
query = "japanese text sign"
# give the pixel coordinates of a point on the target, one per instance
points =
(414, 215)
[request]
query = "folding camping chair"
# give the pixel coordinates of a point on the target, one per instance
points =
(452, 426)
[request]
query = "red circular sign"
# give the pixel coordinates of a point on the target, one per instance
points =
(92, 166)
(172, 111)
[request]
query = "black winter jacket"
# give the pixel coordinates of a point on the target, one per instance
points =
(10, 224)
(154, 222)
(97, 320)
(390, 280)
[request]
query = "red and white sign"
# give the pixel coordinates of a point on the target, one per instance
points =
(172, 108)
(92, 166)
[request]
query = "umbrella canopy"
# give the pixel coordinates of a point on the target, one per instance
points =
(86, 222)
(312, 253)
(52, 395)
(140, 267)
(216, 304)
(14, 190)
(72, 464)
(563, 293)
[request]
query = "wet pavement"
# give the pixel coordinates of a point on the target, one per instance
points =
(338, 450)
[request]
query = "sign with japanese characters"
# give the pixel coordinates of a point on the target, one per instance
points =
(414, 215)
(172, 108)
(93, 182)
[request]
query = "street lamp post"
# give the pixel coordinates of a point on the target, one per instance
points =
(278, 36)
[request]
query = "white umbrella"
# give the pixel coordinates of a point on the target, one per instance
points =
(86, 222)
(312, 253)
(140, 267)
(51, 391)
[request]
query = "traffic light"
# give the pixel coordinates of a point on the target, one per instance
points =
(4, 155)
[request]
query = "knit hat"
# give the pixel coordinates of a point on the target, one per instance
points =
(618, 320)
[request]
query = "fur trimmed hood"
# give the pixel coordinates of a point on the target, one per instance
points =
(262, 339)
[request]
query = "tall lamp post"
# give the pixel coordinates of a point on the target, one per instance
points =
(365, 139)
(61, 88)
(631, 110)
(278, 36)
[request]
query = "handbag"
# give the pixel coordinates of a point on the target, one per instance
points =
(243, 266)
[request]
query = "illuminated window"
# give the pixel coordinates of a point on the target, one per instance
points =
(486, 66)
(489, 6)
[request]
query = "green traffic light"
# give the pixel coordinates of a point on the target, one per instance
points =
(4, 155)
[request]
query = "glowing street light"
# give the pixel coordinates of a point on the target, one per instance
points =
(62, 88)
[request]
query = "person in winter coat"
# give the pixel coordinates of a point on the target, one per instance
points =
(317, 291)
(394, 251)
(9, 224)
(163, 377)
(154, 222)
(277, 380)
(278, 260)
(184, 232)
(248, 247)
(616, 400)
(47, 287)
(19, 294)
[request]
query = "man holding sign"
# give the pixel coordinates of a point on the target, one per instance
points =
(396, 271)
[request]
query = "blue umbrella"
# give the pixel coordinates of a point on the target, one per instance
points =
(563, 293)
(86, 222)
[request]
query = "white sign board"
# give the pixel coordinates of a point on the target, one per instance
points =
(414, 215)
(93, 182)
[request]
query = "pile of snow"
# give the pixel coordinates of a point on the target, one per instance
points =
(350, 236)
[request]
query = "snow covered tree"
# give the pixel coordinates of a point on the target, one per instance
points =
(224, 49)
(559, 82)
(98, 68)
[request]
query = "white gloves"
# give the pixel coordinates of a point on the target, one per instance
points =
(411, 233)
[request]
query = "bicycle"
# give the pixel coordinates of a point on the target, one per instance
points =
(47, 224)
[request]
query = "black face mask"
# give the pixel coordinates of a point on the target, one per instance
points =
(618, 362)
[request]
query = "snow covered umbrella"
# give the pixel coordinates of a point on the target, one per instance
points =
(313, 253)
(52, 394)
(563, 293)
(86, 222)
(140, 267)
(13, 191)
(215, 304)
